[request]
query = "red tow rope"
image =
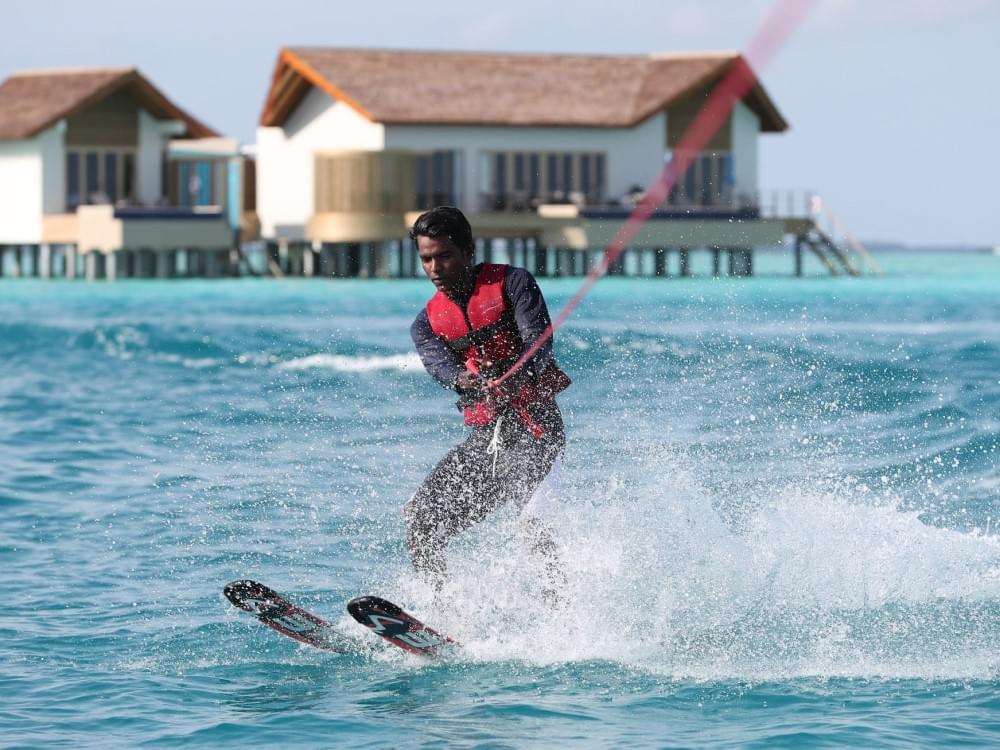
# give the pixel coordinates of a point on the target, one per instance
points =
(782, 19)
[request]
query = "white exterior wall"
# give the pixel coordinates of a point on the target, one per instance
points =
(21, 191)
(52, 146)
(285, 185)
(634, 155)
(153, 138)
(746, 132)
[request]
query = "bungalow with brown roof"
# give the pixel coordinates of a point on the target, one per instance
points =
(352, 141)
(90, 161)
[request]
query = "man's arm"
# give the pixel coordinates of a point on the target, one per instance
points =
(531, 316)
(438, 358)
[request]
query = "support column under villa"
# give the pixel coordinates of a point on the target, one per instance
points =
(660, 258)
(685, 261)
(163, 264)
(33, 253)
(327, 260)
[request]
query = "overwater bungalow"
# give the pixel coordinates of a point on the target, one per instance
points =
(546, 153)
(102, 175)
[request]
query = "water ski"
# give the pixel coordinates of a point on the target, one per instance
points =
(272, 609)
(397, 627)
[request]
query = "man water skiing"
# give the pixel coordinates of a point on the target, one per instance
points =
(481, 320)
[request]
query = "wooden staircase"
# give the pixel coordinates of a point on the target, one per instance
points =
(834, 255)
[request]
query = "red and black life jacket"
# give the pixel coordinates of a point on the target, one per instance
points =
(484, 335)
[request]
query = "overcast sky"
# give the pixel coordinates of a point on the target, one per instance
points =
(892, 105)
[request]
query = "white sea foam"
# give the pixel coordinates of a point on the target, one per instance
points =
(812, 583)
(356, 363)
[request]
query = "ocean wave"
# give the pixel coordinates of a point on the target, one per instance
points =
(355, 363)
(814, 583)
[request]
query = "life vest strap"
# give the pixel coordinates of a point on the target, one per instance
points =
(478, 336)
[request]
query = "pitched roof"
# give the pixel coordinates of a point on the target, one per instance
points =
(32, 101)
(471, 88)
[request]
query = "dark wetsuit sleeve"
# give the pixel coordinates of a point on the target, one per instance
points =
(439, 360)
(530, 314)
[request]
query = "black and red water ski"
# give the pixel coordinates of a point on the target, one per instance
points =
(272, 609)
(399, 628)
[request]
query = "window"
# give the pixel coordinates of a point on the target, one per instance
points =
(92, 184)
(99, 175)
(420, 169)
(552, 184)
(598, 178)
(500, 182)
(540, 177)
(436, 183)
(111, 176)
(128, 176)
(72, 180)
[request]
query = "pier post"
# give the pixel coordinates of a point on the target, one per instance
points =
(685, 261)
(16, 257)
(90, 265)
(716, 262)
(380, 258)
(162, 264)
(145, 264)
(282, 258)
(213, 267)
(326, 260)
(618, 267)
(353, 260)
(308, 262)
(798, 255)
(69, 262)
(3, 254)
(45, 261)
(340, 260)
(111, 266)
(33, 251)
(541, 258)
(740, 261)
(660, 258)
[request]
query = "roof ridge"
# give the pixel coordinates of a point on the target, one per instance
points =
(72, 70)
(470, 52)
(720, 53)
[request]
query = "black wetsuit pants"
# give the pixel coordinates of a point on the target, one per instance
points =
(464, 487)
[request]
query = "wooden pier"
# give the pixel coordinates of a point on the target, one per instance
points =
(562, 241)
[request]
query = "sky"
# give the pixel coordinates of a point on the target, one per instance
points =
(893, 105)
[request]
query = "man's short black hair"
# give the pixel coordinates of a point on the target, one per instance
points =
(444, 221)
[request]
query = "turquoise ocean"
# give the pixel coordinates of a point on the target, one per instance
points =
(778, 517)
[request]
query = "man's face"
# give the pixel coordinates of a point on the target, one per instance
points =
(448, 267)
